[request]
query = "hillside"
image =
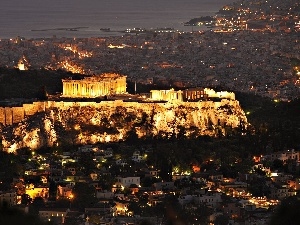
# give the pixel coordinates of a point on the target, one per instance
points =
(273, 125)
(113, 121)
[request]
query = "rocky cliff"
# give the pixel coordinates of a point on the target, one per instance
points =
(110, 121)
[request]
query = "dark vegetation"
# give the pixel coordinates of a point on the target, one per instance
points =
(13, 216)
(30, 84)
(287, 213)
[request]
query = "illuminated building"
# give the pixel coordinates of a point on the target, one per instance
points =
(57, 215)
(34, 191)
(166, 95)
(95, 86)
(23, 64)
(192, 94)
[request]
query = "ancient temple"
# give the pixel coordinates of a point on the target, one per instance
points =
(95, 86)
(166, 95)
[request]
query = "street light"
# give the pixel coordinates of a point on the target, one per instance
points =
(71, 198)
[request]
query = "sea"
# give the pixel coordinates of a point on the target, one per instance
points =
(89, 18)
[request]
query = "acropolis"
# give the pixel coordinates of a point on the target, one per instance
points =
(199, 110)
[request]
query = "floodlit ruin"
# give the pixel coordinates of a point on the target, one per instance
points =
(94, 86)
(189, 113)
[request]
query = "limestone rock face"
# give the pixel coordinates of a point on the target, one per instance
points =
(110, 121)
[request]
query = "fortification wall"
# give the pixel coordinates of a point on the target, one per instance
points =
(17, 114)
(94, 121)
(10, 115)
(31, 109)
(2, 115)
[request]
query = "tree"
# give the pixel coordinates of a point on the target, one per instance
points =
(52, 190)
(166, 170)
(95, 219)
(15, 217)
(221, 220)
(1, 145)
(135, 208)
(107, 182)
(37, 203)
(148, 181)
(287, 212)
(259, 188)
(63, 203)
(145, 222)
(42, 94)
(132, 137)
(278, 164)
(84, 195)
(87, 162)
(25, 199)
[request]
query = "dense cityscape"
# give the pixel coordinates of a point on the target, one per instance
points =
(155, 126)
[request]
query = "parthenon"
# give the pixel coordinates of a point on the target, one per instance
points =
(95, 86)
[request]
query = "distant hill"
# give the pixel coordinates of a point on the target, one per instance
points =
(29, 83)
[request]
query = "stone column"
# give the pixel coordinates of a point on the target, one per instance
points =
(98, 88)
(78, 89)
(70, 89)
(123, 85)
(89, 89)
(102, 88)
(174, 95)
(105, 89)
(64, 88)
(117, 87)
(180, 97)
(85, 89)
(75, 89)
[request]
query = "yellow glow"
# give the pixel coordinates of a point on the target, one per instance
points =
(71, 196)
(34, 192)
(70, 66)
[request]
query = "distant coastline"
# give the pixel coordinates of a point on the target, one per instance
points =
(86, 20)
(66, 29)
